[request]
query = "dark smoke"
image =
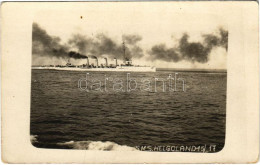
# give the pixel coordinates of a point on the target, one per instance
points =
(81, 42)
(106, 46)
(132, 49)
(76, 55)
(164, 53)
(190, 51)
(131, 39)
(45, 45)
(193, 51)
(94, 57)
(102, 45)
(224, 38)
(212, 40)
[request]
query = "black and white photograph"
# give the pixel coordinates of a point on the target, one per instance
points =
(129, 79)
(120, 82)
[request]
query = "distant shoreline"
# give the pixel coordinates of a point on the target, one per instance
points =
(193, 70)
(188, 70)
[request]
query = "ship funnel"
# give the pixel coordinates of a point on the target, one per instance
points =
(87, 62)
(96, 62)
(116, 61)
(106, 61)
(94, 57)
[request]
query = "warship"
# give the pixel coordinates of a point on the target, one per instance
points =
(127, 65)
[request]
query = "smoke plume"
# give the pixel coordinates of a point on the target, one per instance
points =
(80, 42)
(103, 45)
(132, 49)
(81, 47)
(94, 57)
(45, 45)
(76, 55)
(190, 51)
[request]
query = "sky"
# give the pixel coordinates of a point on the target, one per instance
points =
(158, 30)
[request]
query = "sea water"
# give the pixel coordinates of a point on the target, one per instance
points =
(64, 116)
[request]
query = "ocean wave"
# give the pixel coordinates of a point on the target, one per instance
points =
(97, 145)
(33, 138)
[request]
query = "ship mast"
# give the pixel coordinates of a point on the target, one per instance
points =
(124, 52)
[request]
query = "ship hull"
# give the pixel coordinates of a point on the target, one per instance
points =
(117, 69)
